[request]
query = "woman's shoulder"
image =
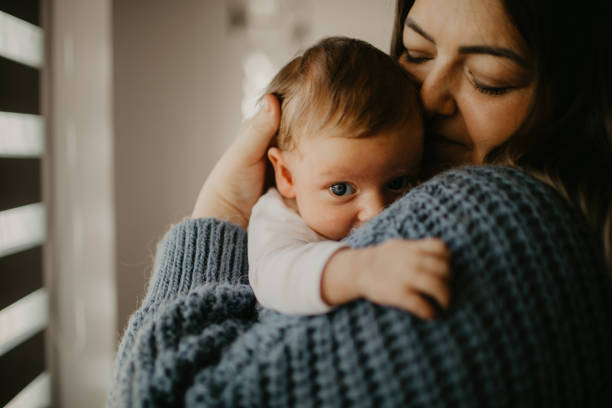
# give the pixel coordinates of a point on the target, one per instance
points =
(530, 291)
(490, 183)
(504, 196)
(490, 209)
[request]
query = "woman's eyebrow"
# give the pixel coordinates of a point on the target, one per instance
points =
(495, 51)
(472, 49)
(417, 28)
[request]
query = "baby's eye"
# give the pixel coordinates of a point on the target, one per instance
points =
(341, 189)
(400, 183)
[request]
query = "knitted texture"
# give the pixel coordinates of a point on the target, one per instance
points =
(529, 323)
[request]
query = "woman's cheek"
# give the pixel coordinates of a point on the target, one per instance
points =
(488, 127)
(496, 120)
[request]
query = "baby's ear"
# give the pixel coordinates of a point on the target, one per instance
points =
(282, 172)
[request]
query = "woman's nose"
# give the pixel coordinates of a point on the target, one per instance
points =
(436, 91)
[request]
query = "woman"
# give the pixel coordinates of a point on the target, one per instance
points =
(529, 324)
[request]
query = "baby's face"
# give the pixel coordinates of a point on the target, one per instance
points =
(340, 183)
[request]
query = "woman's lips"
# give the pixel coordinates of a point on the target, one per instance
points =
(444, 152)
(438, 139)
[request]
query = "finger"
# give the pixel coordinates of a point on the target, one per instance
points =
(415, 304)
(432, 286)
(434, 265)
(435, 247)
(257, 132)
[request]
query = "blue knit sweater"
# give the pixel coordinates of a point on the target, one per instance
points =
(530, 322)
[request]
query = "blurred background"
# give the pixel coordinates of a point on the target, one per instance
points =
(112, 113)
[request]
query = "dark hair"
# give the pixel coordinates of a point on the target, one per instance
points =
(346, 83)
(566, 138)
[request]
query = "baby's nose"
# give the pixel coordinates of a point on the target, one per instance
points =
(371, 206)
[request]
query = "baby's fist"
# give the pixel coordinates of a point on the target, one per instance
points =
(408, 275)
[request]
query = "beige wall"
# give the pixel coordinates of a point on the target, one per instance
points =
(173, 110)
(177, 95)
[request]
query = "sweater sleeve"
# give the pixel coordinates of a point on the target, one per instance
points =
(529, 323)
(195, 256)
(196, 252)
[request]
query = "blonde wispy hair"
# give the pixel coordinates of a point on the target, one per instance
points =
(345, 83)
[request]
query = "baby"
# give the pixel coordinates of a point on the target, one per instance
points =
(349, 144)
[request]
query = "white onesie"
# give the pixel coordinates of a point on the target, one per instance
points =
(286, 258)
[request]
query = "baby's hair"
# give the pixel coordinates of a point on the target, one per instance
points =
(345, 83)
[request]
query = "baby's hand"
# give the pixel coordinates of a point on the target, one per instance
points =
(404, 274)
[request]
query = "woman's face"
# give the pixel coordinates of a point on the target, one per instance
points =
(476, 84)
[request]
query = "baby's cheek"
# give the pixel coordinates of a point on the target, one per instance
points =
(332, 224)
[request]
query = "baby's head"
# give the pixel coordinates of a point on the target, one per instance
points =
(351, 135)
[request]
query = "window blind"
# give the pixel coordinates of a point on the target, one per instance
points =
(23, 297)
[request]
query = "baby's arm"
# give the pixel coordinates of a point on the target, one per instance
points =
(398, 273)
(286, 258)
(291, 270)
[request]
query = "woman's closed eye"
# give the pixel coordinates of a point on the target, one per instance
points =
(341, 189)
(486, 89)
(491, 90)
(417, 57)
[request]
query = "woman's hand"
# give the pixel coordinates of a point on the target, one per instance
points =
(237, 180)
